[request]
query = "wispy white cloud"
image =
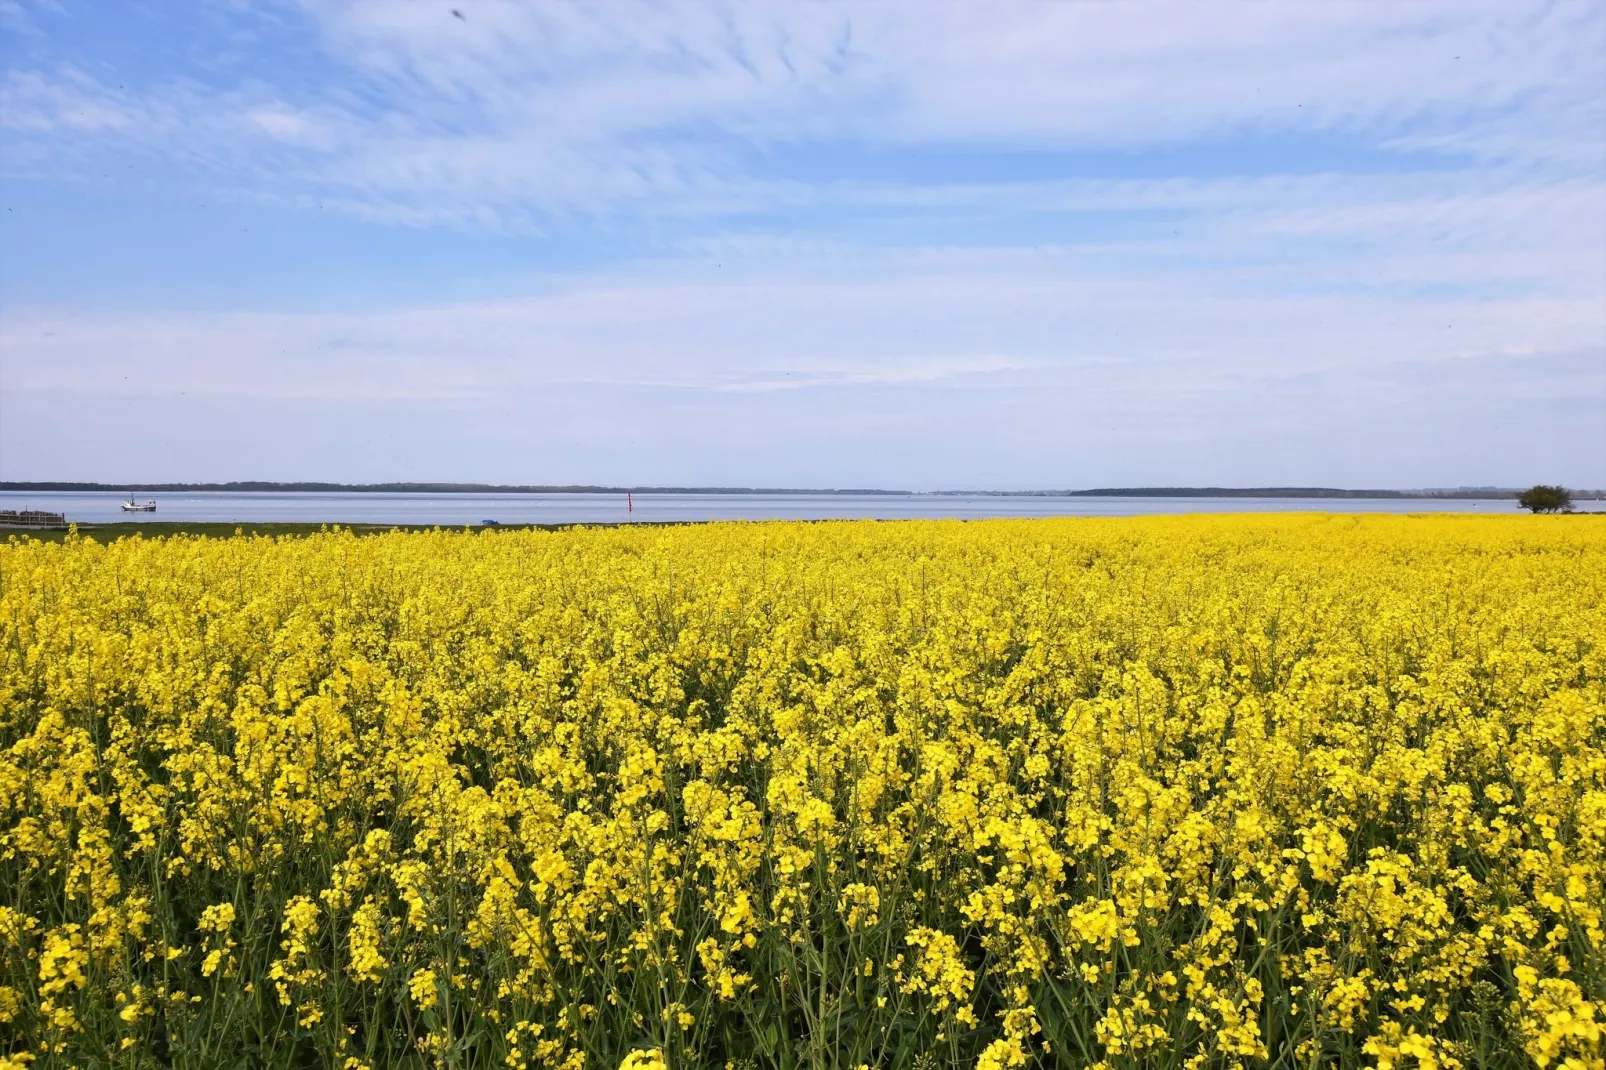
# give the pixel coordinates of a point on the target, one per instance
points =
(1128, 74)
(69, 101)
(601, 108)
(1444, 263)
(747, 323)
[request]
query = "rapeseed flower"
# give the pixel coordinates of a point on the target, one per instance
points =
(1192, 791)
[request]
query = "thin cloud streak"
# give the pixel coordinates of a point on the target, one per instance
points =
(598, 109)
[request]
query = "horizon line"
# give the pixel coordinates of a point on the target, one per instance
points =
(404, 487)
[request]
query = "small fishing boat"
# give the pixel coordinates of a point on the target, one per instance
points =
(131, 506)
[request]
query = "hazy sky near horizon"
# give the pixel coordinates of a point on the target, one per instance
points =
(938, 245)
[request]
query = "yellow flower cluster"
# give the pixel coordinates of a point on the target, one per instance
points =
(1175, 792)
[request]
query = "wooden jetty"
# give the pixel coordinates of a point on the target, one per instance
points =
(31, 518)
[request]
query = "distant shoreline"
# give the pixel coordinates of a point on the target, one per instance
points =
(246, 487)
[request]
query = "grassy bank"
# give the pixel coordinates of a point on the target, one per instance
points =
(157, 528)
(225, 529)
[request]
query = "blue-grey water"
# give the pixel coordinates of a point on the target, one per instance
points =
(457, 509)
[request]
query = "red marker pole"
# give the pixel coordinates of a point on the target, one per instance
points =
(630, 503)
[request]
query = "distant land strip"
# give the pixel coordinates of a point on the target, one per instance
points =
(258, 486)
(1285, 492)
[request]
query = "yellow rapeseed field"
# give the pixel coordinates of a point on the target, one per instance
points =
(1175, 792)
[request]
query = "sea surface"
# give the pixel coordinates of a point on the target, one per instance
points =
(457, 509)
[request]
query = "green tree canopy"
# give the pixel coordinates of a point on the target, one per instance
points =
(1544, 499)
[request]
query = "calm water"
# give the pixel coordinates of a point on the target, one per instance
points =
(456, 509)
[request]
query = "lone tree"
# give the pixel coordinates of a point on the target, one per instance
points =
(1545, 499)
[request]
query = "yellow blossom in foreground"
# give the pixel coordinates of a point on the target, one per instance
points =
(1208, 792)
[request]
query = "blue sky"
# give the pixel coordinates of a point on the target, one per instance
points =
(925, 246)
